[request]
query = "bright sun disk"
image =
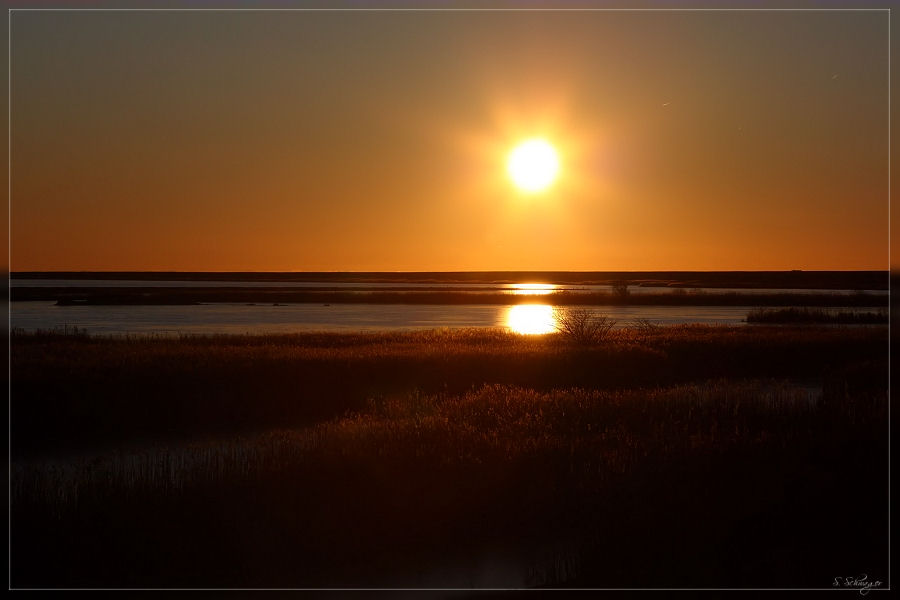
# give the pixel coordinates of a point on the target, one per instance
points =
(533, 165)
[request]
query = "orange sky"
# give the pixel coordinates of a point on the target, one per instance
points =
(376, 141)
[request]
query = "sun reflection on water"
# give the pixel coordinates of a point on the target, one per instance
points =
(533, 289)
(531, 319)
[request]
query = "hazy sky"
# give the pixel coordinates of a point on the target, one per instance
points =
(378, 140)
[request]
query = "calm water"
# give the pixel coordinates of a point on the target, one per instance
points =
(289, 318)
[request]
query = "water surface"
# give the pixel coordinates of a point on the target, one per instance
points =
(302, 317)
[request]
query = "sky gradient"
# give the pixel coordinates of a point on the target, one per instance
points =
(330, 141)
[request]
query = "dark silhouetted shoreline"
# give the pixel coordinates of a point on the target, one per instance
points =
(69, 296)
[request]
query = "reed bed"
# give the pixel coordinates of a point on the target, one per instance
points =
(496, 422)
(74, 392)
(625, 458)
(417, 477)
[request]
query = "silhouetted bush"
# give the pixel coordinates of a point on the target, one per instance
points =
(582, 325)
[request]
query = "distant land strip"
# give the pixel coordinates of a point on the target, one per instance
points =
(828, 280)
(186, 296)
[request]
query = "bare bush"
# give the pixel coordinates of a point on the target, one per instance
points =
(582, 325)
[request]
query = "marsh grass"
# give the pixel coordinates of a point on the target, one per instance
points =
(414, 476)
(79, 392)
(665, 456)
(498, 420)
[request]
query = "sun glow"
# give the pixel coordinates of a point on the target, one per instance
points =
(531, 319)
(533, 165)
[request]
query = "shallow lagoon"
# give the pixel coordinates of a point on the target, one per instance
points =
(291, 318)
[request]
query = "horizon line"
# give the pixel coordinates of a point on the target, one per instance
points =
(862, 270)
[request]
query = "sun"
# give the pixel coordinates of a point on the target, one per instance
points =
(533, 165)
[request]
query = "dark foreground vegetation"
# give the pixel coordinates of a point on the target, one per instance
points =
(79, 391)
(662, 457)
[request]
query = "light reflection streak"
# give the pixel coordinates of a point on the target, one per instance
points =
(531, 319)
(533, 289)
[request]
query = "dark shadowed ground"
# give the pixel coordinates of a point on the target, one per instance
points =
(661, 457)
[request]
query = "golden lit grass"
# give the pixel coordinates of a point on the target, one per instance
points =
(608, 430)
(82, 391)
